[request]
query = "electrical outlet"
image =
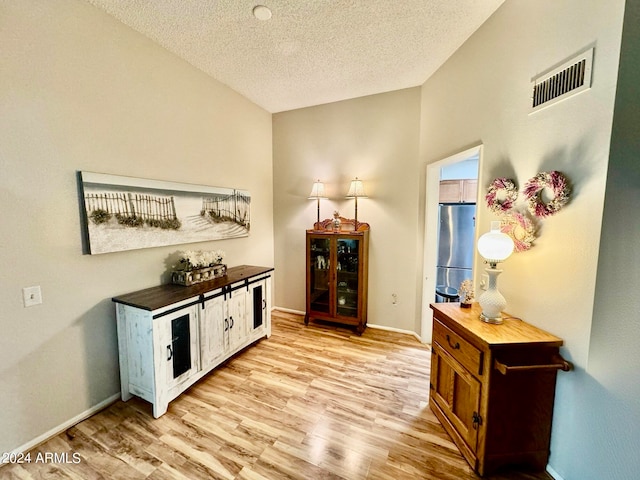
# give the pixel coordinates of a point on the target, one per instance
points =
(484, 281)
(32, 296)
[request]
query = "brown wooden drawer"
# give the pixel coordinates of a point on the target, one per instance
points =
(465, 353)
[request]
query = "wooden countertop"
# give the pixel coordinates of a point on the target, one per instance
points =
(163, 295)
(512, 331)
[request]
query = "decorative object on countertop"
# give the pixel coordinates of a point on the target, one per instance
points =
(521, 230)
(466, 293)
(553, 181)
(199, 266)
(317, 192)
(494, 247)
(356, 189)
(336, 221)
(346, 225)
(501, 195)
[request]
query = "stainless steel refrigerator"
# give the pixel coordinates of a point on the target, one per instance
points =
(455, 249)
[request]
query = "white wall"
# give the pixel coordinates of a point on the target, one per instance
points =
(80, 91)
(481, 95)
(604, 438)
(376, 139)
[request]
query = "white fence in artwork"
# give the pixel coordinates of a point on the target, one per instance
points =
(130, 205)
(234, 207)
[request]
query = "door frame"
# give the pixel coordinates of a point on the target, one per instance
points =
(432, 189)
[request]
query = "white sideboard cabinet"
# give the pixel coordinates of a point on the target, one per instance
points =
(170, 336)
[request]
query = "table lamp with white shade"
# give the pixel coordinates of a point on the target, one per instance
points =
(317, 192)
(495, 247)
(356, 190)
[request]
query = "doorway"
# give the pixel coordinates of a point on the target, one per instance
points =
(469, 162)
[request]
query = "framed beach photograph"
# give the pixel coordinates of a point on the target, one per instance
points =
(125, 213)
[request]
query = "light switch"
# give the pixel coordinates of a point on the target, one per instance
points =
(32, 296)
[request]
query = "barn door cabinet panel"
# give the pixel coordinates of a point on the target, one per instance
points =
(214, 329)
(337, 270)
(493, 386)
(170, 336)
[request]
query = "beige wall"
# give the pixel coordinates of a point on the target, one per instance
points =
(373, 138)
(481, 95)
(606, 419)
(80, 91)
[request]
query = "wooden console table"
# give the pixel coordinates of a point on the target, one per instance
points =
(492, 387)
(170, 336)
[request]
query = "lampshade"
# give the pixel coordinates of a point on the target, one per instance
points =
(495, 246)
(356, 189)
(317, 191)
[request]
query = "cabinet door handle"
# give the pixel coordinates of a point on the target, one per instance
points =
(455, 346)
(477, 420)
(169, 353)
(226, 324)
(264, 304)
(231, 326)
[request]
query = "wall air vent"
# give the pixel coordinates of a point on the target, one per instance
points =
(573, 76)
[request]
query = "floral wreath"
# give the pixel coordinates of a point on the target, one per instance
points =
(554, 181)
(521, 230)
(501, 205)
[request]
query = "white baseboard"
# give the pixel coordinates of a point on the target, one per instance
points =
(66, 425)
(371, 325)
(289, 310)
(553, 473)
(393, 329)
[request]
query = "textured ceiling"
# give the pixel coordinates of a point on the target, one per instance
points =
(311, 51)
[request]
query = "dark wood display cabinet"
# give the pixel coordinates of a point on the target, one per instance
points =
(337, 269)
(492, 387)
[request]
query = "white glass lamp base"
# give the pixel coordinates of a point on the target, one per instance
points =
(492, 301)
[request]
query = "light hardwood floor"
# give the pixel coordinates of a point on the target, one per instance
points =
(316, 402)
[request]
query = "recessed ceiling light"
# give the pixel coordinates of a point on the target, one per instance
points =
(261, 12)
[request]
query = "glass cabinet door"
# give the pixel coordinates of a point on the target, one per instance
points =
(180, 350)
(319, 265)
(347, 250)
(179, 345)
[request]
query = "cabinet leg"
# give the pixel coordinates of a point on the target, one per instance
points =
(125, 395)
(306, 319)
(160, 409)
